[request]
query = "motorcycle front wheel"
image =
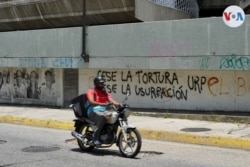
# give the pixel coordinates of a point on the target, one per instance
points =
(132, 146)
(86, 131)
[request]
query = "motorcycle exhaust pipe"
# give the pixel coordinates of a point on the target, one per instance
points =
(77, 135)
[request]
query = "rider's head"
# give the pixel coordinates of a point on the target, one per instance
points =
(99, 82)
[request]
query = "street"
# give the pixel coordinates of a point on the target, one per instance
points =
(25, 146)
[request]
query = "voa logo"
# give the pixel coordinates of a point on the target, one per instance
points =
(233, 16)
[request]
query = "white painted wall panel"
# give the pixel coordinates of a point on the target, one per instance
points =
(41, 43)
(181, 44)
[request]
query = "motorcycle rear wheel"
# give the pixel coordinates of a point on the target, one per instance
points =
(132, 147)
(86, 131)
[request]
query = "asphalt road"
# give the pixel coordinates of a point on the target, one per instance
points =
(25, 146)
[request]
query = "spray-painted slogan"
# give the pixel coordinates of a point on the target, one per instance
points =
(155, 84)
(171, 84)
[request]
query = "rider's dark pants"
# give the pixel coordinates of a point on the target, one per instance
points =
(100, 121)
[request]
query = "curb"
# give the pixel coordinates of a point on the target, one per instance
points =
(37, 122)
(201, 117)
(226, 142)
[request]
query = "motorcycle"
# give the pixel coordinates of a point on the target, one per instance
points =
(116, 131)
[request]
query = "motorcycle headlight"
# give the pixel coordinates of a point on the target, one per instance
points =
(127, 113)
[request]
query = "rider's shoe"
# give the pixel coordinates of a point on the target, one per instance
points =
(97, 142)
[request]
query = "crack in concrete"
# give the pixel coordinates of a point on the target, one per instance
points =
(238, 129)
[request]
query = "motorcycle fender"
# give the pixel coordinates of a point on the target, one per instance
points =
(78, 123)
(127, 127)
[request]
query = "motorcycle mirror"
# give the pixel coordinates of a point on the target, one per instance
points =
(126, 98)
(128, 93)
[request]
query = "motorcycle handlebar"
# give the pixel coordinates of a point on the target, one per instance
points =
(109, 104)
(120, 108)
(122, 105)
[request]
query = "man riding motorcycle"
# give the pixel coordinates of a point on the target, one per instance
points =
(98, 99)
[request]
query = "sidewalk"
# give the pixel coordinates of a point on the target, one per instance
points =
(228, 135)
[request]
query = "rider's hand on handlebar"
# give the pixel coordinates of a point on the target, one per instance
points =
(109, 104)
(117, 105)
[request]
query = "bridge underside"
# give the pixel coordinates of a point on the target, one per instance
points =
(43, 14)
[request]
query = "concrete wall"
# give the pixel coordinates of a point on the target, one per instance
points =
(54, 48)
(201, 63)
(176, 89)
(197, 44)
(206, 63)
(182, 44)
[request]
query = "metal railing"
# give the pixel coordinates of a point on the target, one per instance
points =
(188, 6)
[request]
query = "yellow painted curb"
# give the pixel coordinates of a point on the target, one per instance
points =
(227, 142)
(37, 122)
